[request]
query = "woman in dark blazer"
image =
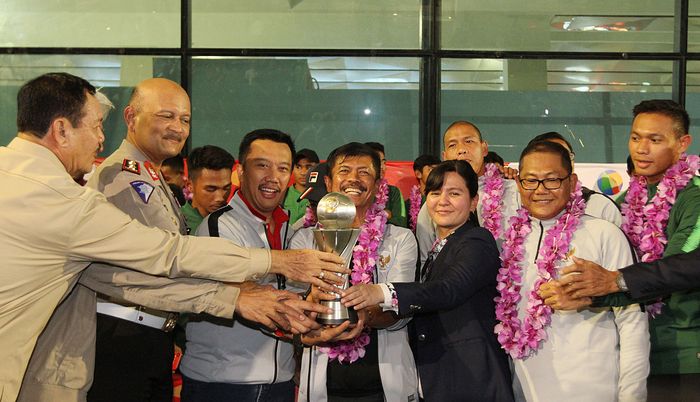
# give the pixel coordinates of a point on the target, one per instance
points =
(455, 348)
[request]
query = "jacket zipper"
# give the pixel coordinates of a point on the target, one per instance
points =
(308, 377)
(280, 285)
(274, 375)
(539, 242)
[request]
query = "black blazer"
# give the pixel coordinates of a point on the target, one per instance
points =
(647, 280)
(455, 348)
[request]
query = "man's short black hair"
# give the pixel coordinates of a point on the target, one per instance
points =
(668, 108)
(307, 154)
(552, 148)
(436, 178)
(208, 157)
(549, 136)
(176, 163)
(354, 149)
(264, 134)
(48, 97)
(463, 123)
(492, 157)
(377, 146)
(425, 160)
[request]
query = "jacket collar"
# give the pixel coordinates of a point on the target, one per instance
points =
(130, 151)
(41, 152)
(279, 216)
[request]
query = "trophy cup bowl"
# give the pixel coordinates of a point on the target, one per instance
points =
(336, 213)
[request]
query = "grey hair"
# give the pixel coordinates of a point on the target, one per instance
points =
(105, 104)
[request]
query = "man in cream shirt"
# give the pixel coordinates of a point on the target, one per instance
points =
(52, 228)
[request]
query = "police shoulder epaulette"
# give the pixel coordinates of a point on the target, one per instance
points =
(131, 166)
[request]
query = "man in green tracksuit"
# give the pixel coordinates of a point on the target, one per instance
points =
(210, 183)
(658, 140)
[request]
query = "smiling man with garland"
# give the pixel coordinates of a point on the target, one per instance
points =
(659, 214)
(378, 364)
(594, 354)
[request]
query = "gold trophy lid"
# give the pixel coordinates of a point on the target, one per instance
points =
(335, 211)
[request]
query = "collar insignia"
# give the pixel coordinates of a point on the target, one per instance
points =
(131, 166)
(151, 171)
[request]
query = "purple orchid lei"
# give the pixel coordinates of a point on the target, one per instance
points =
(520, 339)
(491, 200)
(644, 223)
(364, 258)
(309, 217)
(415, 198)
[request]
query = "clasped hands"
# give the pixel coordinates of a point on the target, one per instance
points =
(288, 314)
(578, 283)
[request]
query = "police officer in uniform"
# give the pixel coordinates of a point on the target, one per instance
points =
(134, 356)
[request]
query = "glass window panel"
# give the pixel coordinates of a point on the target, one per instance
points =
(90, 23)
(692, 103)
(588, 101)
(331, 24)
(694, 25)
(322, 102)
(560, 25)
(116, 75)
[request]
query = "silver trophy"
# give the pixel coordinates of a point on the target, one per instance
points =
(335, 213)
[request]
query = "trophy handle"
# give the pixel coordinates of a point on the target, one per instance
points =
(340, 242)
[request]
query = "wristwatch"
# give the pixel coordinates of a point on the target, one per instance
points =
(620, 282)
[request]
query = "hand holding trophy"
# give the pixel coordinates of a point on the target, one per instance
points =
(336, 213)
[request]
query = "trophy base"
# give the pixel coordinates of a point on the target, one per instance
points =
(339, 315)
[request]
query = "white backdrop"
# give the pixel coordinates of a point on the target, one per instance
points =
(593, 174)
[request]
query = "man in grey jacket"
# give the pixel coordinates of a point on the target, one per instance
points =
(239, 360)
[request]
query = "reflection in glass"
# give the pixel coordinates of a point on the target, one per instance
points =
(311, 24)
(116, 75)
(90, 23)
(588, 101)
(558, 25)
(321, 102)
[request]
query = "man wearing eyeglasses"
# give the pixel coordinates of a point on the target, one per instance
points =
(593, 354)
(598, 204)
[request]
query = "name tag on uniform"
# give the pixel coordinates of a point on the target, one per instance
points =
(143, 189)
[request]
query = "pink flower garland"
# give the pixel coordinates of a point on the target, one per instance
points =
(309, 217)
(491, 200)
(518, 339)
(364, 258)
(645, 224)
(416, 200)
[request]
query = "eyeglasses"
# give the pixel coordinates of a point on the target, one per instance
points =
(552, 183)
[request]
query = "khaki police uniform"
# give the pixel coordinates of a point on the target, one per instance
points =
(51, 229)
